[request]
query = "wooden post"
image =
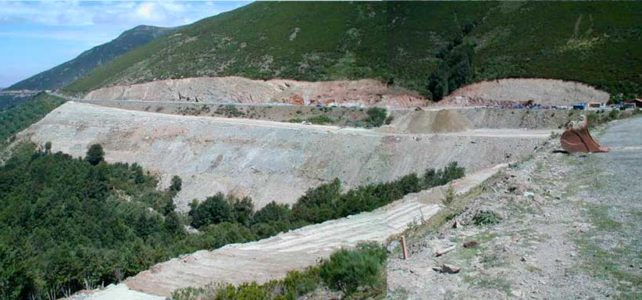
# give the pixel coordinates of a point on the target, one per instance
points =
(403, 247)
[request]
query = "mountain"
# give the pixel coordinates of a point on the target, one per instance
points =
(432, 47)
(67, 72)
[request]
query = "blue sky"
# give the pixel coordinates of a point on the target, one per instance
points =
(38, 35)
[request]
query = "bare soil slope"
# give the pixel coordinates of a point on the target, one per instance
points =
(268, 161)
(541, 91)
(242, 90)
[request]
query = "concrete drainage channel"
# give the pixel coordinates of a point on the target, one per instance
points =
(273, 257)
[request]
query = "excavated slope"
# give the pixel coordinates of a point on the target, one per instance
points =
(273, 257)
(265, 160)
(542, 91)
(242, 90)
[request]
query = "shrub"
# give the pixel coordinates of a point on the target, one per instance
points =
(176, 185)
(272, 212)
(95, 154)
(318, 204)
(213, 210)
(348, 270)
(376, 116)
(450, 195)
(242, 210)
(322, 119)
(486, 217)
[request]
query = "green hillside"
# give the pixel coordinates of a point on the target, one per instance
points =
(426, 46)
(67, 72)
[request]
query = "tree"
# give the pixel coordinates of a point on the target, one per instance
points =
(177, 184)
(48, 147)
(242, 209)
(213, 210)
(173, 223)
(95, 154)
(272, 212)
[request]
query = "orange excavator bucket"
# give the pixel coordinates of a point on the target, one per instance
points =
(580, 140)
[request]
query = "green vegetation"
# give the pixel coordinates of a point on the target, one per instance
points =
(376, 117)
(14, 119)
(12, 100)
(69, 224)
(95, 154)
(67, 72)
(229, 111)
(320, 120)
(323, 203)
(75, 223)
(431, 47)
(349, 270)
(486, 217)
(358, 273)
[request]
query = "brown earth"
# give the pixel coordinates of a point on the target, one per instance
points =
(366, 92)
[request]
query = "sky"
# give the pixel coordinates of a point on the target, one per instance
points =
(38, 35)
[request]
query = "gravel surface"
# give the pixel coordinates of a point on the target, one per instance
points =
(570, 227)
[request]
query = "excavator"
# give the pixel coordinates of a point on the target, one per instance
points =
(578, 139)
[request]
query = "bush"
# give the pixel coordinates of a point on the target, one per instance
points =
(176, 185)
(321, 120)
(348, 270)
(486, 217)
(95, 154)
(318, 204)
(242, 210)
(272, 212)
(376, 116)
(213, 210)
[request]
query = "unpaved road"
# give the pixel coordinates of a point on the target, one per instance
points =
(272, 258)
(577, 236)
(268, 161)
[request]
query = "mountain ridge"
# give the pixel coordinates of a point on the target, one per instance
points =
(428, 47)
(82, 64)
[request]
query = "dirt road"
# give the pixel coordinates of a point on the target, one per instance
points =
(570, 227)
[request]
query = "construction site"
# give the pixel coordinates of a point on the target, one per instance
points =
(267, 158)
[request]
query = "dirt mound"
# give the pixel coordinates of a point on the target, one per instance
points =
(541, 91)
(367, 92)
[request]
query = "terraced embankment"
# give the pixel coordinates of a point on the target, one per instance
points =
(268, 161)
(272, 258)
